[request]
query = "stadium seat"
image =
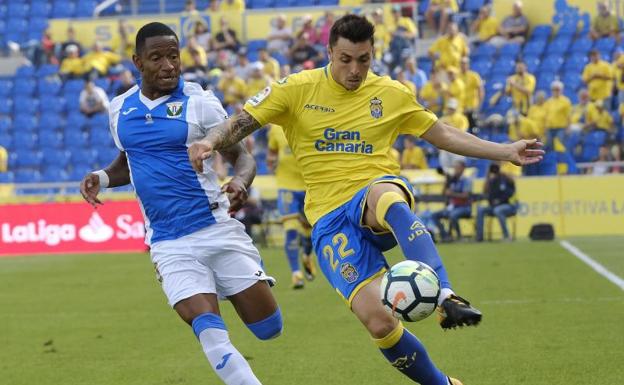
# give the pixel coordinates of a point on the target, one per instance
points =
(23, 87)
(26, 141)
(49, 87)
(559, 46)
(27, 158)
(541, 32)
(551, 63)
(38, 25)
(98, 122)
(572, 80)
(63, 9)
(54, 173)
(532, 63)
(3, 27)
(25, 123)
(510, 50)
(17, 9)
(581, 45)
(46, 70)
(79, 171)
(75, 139)
(605, 44)
(534, 48)
(26, 106)
(40, 9)
(548, 165)
(50, 140)
(482, 67)
(27, 176)
(57, 107)
(106, 155)
(575, 62)
(74, 86)
(17, 25)
(76, 120)
(85, 8)
(503, 66)
(544, 79)
(6, 87)
(5, 124)
(255, 45)
(83, 156)
(103, 83)
(7, 177)
(485, 51)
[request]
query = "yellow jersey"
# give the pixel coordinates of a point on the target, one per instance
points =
(598, 89)
(287, 171)
(236, 5)
(414, 158)
(186, 57)
(524, 128)
(4, 159)
(488, 28)
(602, 119)
(457, 120)
(450, 51)
(558, 111)
(255, 85)
(473, 84)
(521, 101)
(234, 89)
(537, 113)
(431, 97)
(100, 61)
(457, 91)
(407, 24)
(618, 71)
(382, 39)
(272, 68)
(452, 4)
(342, 139)
(72, 65)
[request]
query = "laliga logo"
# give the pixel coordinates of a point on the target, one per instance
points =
(96, 230)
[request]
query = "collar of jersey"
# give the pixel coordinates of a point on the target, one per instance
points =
(151, 104)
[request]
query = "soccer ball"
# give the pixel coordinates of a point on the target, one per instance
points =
(410, 290)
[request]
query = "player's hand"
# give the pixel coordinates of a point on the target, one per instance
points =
(525, 152)
(236, 192)
(89, 188)
(197, 153)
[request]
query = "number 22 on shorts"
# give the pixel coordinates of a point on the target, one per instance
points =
(339, 242)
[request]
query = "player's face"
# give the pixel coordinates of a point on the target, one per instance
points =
(350, 62)
(159, 63)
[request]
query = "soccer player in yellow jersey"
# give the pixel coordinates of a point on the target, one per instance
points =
(290, 200)
(341, 122)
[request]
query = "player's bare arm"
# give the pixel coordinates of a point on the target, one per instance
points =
(520, 153)
(222, 136)
(118, 175)
(244, 174)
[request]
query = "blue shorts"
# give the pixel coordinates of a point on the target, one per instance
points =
(349, 252)
(290, 203)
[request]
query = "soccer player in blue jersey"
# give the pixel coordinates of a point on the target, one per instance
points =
(200, 253)
(341, 122)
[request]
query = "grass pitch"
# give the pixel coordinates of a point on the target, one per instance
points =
(103, 320)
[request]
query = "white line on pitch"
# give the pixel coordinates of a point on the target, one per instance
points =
(548, 300)
(593, 264)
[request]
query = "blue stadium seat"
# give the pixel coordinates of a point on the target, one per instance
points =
(605, 44)
(5, 124)
(99, 122)
(106, 155)
(503, 66)
(54, 173)
(23, 87)
(581, 45)
(49, 87)
(3, 27)
(18, 9)
(541, 32)
(551, 63)
(25, 71)
(85, 8)
(559, 46)
(46, 70)
(56, 156)
(63, 9)
(486, 51)
(79, 171)
(532, 63)
(255, 45)
(27, 158)
(6, 106)
(56, 106)
(76, 140)
(568, 29)
(50, 140)
(83, 156)
(26, 141)
(24, 123)
(548, 165)
(26, 106)
(17, 25)
(27, 176)
(482, 67)
(76, 120)
(147, 6)
(40, 9)
(534, 48)
(510, 50)
(103, 83)
(6, 140)
(575, 62)
(74, 86)
(38, 25)
(544, 79)
(7, 177)
(572, 80)
(6, 86)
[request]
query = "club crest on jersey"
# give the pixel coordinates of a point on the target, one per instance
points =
(376, 108)
(174, 109)
(348, 272)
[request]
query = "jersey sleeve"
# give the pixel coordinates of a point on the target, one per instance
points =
(272, 104)
(416, 119)
(210, 112)
(113, 118)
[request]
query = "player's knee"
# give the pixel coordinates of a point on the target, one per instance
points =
(380, 326)
(268, 328)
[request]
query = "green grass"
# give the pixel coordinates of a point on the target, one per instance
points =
(102, 319)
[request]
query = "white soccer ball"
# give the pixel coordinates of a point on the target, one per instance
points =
(410, 291)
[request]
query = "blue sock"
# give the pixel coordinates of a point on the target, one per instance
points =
(291, 246)
(406, 353)
(414, 239)
(306, 244)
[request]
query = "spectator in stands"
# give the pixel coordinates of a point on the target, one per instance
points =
(302, 51)
(4, 159)
(202, 34)
(474, 92)
(124, 44)
(213, 6)
(243, 66)
(558, 110)
(401, 78)
(604, 155)
(309, 29)
(413, 157)
(382, 33)
(127, 81)
(72, 66)
(455, 118)
(485, 25)
(598, 76)
(93, 100)
(579, 111)
(443, 10)
(71, 40)
(457, 190)
(456, 89)
(498, 189)
(190, 8)
(448, 49)
(537, 113)
(431, 95)
(280, 36)
(521, 127)
(285, 70)
(415, 74)
(599, 118)
(520, 86)
(232, 5)
(257, 80)
(325, 27)
(46, 53)
(400, 48)
(234, 88)
(271, 66)
(226, 38)
(98, 62)
(400, 21)
(513, 29)
(193, 57)
(605, 23)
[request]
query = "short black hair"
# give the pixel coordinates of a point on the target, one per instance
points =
(151, 30)
(354, 28)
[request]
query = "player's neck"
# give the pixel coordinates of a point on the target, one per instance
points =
(152, 94)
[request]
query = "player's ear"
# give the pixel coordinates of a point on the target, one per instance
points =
(329, 52)
(138, 63)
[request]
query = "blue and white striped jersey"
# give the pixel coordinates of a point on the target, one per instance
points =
(155, 134)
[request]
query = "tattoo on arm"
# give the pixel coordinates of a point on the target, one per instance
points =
(242, 161)
(233, 131)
